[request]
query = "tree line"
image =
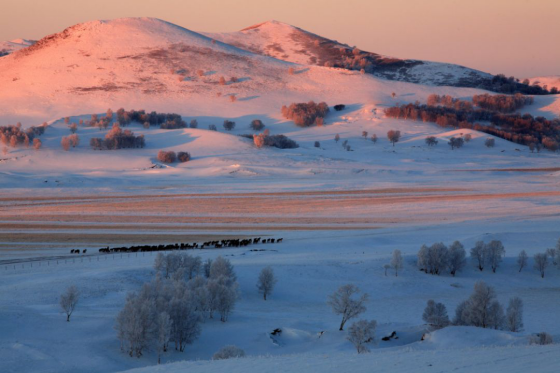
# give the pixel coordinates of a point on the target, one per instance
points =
(306, 114)
(116, 138)
(522, 129)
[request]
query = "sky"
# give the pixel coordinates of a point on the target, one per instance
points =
(513, 37)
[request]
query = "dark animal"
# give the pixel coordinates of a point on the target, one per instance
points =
(389, 337)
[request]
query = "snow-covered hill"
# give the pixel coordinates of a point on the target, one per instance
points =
(289, 43)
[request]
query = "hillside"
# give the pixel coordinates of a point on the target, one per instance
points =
(289, 43)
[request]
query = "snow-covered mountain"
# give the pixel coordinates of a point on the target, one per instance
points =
(289, 43)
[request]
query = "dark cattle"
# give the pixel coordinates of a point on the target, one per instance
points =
(389, 337)
(84, 251)
(279, 240)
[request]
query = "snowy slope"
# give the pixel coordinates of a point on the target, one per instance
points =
(550, 81)
(289, 43)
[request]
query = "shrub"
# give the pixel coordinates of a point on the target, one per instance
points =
(166, 156)
(65, 143)
(291, 71)
(212, 127)
(456, 142)
(183, 157)
(339, 107)
(490, 142)
(431, 141)
(257, 125)
(193, 123)
(233, 98)
(228, 352)
(222, 80)
(277, 141)
(233, 79)
(229, 125)
(37, 144)
(541, 339)
(305, 114)
(317, 144)
(361, 333)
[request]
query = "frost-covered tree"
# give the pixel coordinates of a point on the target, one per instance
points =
(163, 325)
(456, 257)
(433, 259)
(435, 314)
(397, 261)
(362, 333)
(266, 281)
(207, 266)
(193, 123)
(495, 253)
(522, 260)
(221, 267)
(541, 262)
(222, 296)
(514, 314)
(73, 127)
(481, 309)
(343, 303)
(364, 134)
(336, 138)
(478, 254)
(69, 300)
(135, 324)
(374, 138)
(185, 326)
(229, 352)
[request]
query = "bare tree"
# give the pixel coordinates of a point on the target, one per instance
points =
(541, 339)
(73, 127)
(456, 257)
(394, 136)
(522, 260)
(193, 123)
(435, 314)
(481, 309)
(374, 138)
(266, 281)
(456, 142)
(343, 304)
(69, 300)
(336, 138)
(514, 314)
(397, 261)
(541, 262)
(364, 134)
(228, 124)
(386, 267)
(361, 333)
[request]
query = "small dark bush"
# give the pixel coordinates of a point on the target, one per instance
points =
(183, 157)
(229, 125)
(339, 107)
(257, 125)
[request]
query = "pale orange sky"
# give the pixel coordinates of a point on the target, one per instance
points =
(514, 37)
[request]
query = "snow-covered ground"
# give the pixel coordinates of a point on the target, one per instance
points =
(341, 213)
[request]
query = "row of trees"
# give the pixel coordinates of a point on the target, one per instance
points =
(306, 114)
(480, 310)
(523, 129)
(116, 138)
(500, 103)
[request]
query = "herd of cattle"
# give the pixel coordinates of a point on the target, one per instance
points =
(185, 246)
